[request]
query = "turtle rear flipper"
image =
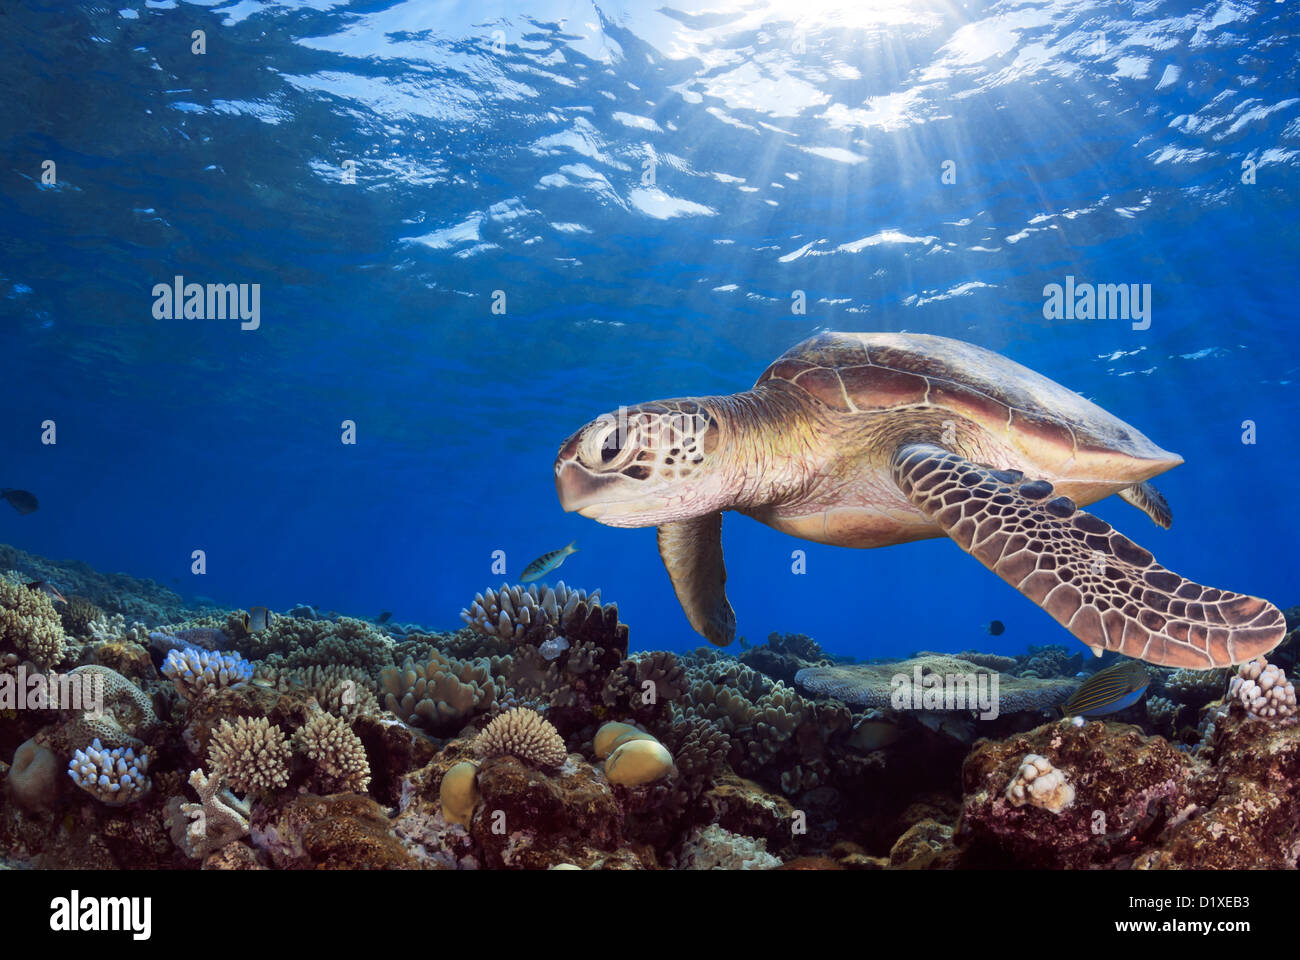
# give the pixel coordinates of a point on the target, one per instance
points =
(1097, 583)
(1150, 501)
(692, 553)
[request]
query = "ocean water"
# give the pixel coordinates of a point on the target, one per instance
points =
(476, 226)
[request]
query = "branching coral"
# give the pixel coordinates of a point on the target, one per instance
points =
(525, 734)
(115, 777)
(194, 671)
(442, 694)
(78, 615)
(252, 754)
(29, 624)
(537, 616)
(338, 753)
(1264, 691)
(218, 818)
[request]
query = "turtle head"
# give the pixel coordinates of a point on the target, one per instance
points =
(645, 465)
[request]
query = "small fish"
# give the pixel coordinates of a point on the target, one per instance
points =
(546, 563)
(257, 618)
(384, 617)
(1108, 691)
(20, 500)
(995, 627)
(47, 588)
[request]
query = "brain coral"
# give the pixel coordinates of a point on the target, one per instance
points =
(337, 752)
(252, 754)
(30, 625)
(127, 710)
(525, 734)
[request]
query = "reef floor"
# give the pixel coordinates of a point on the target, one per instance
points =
(138, 730)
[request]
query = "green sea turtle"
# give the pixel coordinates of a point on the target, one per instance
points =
(873, 439)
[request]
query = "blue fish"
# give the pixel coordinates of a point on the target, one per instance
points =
(1108, 691)
(546, 563)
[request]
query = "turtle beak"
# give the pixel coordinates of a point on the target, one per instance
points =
(578, 488)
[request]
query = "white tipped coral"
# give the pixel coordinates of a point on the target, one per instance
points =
(1264, 691)
(194, 671)
(1037, 782)
(525, 734)
(115, 777)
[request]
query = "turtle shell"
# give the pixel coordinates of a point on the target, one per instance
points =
(866, 373)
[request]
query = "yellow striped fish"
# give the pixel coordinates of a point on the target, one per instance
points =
(1108, 691)
(546, 563)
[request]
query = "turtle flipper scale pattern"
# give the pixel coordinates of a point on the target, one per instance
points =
(692, 554)
(1102, 587)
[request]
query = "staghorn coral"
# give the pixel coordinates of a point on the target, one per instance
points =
(337, 752)
(525, 734)
(193, 672)
(217, 819)
(1264, 691)
(115, 777)
(441, 695)
(715, 848)
(1038, 783)
(252, 754)
(29, 624)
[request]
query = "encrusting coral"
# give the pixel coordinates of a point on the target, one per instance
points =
(1264, 691)
(252, 754)
(1037, 782)
(525, 734)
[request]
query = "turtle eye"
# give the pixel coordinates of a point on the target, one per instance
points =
(609, 448)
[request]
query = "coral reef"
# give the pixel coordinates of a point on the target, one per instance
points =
(715, 848)
(217, 819)
(442, 695)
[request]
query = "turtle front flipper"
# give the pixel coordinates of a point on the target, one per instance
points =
(1098, 584)
(692, 552)
(1150, 501)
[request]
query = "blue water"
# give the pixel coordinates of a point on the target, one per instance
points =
(795, 146)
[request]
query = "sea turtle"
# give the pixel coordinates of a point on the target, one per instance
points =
(872, 439)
